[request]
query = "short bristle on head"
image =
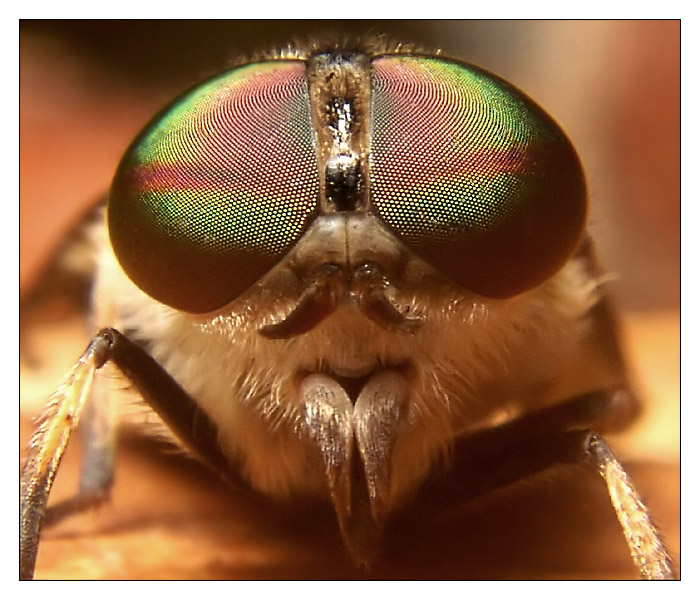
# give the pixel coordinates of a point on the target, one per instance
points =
(304, 47)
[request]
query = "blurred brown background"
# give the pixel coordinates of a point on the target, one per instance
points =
(87, 87)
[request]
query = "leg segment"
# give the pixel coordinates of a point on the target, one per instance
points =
(98, 435)
(561, 434)
(177, 409)
(47, 446)
(643, 538)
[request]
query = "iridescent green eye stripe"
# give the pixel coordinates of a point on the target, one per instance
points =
(219, 185)
(462, 163)
(199, 159)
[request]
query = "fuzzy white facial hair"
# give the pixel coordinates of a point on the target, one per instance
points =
(473, 362)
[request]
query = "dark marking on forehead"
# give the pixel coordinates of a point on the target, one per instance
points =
(339, 91)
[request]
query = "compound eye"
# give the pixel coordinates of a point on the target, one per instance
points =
(217, 187)
(472, 175)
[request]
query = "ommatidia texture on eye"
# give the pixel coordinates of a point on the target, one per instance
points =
(463, 168)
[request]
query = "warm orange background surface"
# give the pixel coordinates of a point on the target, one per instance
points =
(86, 89)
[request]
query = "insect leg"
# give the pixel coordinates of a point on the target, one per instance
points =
(177, 409)
(643, 538)
(98, 436)
(98, 433)
(47, 446)
(561, 434)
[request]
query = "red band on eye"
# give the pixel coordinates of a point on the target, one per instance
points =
(217, 187)
(472, 175)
